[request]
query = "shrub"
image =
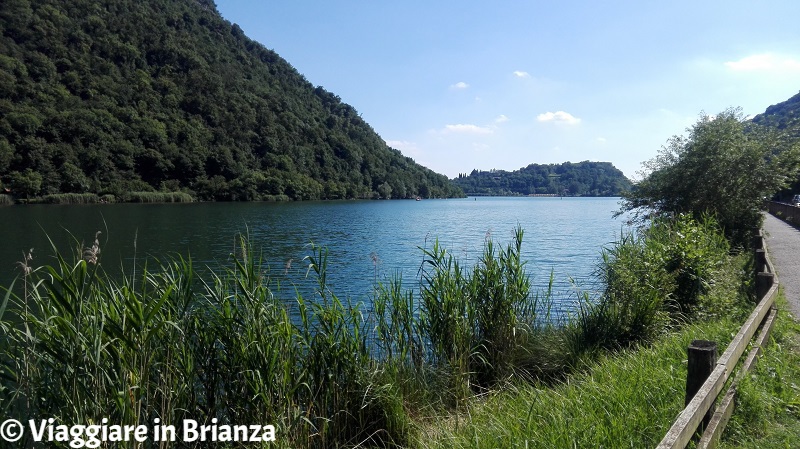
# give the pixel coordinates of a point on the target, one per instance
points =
(651, 279)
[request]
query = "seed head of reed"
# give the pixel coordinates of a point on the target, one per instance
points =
(24, 264)
(92, 255)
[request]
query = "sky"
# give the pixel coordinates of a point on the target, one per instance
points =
(463, 85)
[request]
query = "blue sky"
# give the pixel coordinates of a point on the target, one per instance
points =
(475, 84)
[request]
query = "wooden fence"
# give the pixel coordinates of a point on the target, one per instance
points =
(784, 211)
(686, 425)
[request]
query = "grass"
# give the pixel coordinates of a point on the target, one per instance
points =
(6, 200)
(626, 400)
(767, 413)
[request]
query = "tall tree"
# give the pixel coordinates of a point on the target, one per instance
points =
(724, 166)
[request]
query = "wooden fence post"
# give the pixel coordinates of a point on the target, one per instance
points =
(758, 242)
(702, 361)
(760, 261)
(764, 282)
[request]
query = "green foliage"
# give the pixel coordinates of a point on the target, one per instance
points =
(691, 252)
(724, 167)
(580, 179)
(652, 279)
(26, 184)
(138, 95)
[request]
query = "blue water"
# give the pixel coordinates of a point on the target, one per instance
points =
(366, 240)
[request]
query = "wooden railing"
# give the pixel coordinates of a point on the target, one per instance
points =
(686, 425)
(784, 211)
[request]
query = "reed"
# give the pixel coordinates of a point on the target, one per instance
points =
(6, 200)
(82, 346)
(156, 197)
(70, 198)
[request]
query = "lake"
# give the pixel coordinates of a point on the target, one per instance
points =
(367, 240)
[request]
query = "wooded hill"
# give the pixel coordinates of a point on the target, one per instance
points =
(784, 116)
(115, 96)
(579, 179)
(784, 119)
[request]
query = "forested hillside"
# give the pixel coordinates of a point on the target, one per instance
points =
(784, 118)
(115, 96)
(579, 179)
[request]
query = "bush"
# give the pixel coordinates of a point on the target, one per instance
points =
(651, 280)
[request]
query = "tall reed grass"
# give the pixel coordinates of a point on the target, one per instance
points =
(82, 346)
(70, 198)
(6, 200)
(156, 197)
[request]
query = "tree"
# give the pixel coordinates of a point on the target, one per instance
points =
(725, 167)
(385, 190)
(27, 183)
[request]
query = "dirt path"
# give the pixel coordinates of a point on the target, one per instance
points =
(783, 243)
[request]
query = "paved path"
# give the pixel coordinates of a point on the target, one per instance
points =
(783, 243)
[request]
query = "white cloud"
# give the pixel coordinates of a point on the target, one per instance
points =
(765, 62)
(601, 140)
(467, 129)
(501, 118)
(459, 85)
(558, 117)
(521, 74)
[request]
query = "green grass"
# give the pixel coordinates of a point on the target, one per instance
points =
(629, 399)
(767, 413)
(6, 200)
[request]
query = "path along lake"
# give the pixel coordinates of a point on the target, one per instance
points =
(366, 240)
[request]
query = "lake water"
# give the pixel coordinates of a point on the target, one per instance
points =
(564, 236)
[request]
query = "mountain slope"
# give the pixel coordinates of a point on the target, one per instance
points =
(784, 116)
(115, 96)
(578, 179)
